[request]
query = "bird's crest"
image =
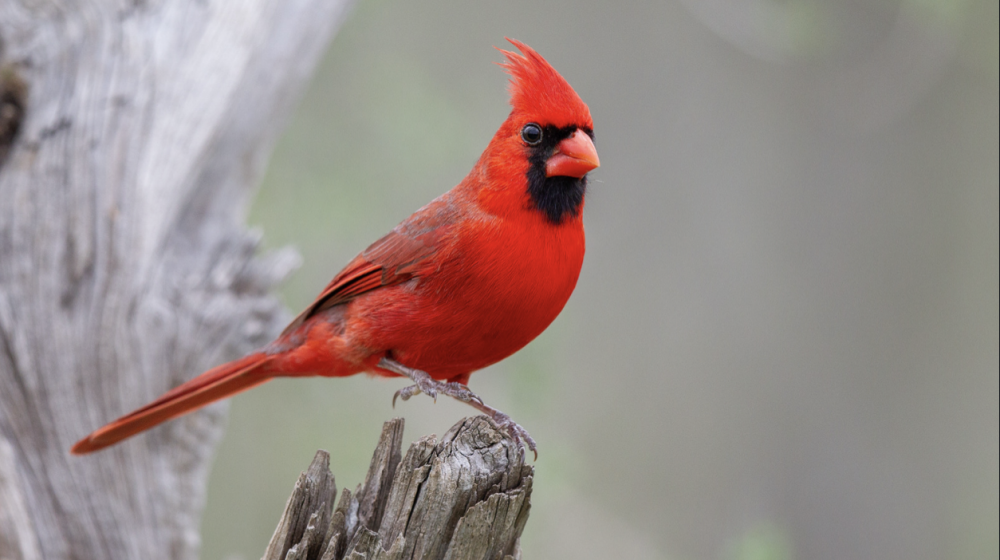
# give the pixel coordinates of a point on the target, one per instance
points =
(539, 92)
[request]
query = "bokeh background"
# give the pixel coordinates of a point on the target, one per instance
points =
(783, 344)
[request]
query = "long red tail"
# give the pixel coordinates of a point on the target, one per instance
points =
(215, 384)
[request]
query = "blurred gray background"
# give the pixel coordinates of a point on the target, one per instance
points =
(783, 344)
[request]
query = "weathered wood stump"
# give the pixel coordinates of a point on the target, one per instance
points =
(465, 497)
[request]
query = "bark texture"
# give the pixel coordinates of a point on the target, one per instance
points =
(466, 497)
(132, 134)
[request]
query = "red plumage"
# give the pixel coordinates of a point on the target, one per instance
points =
(464, 282)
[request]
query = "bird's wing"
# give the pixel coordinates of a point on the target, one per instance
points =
(393, 259)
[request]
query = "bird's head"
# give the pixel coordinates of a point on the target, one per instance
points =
(547, 141)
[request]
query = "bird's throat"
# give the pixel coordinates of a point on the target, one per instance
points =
(558, 197)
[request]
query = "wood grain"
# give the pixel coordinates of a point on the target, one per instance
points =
(124, 265)
(466, 497)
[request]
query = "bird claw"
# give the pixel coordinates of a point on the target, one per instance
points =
(431, 388)
(519, 434)
(423, 383)
(406, 392)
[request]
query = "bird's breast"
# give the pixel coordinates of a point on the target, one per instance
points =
(520, 277)
(496, 288)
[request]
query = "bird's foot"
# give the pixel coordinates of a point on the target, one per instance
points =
(433, 388)
(504, 422)
(406, 392)
(423, 383)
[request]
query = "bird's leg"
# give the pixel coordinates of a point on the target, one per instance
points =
(423, 383)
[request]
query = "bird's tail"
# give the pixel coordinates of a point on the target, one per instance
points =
(215, 384)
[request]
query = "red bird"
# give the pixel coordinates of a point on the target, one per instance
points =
(461, 284)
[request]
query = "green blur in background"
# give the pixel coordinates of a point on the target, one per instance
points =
(783, 344)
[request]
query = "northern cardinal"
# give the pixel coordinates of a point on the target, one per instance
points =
(461, 284)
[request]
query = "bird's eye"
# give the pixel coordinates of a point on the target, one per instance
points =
(531, 134)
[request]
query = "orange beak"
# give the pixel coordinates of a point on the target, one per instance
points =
(574, 157)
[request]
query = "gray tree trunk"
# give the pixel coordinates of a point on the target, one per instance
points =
(132, 134)
(466, 497)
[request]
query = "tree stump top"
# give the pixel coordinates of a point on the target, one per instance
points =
(464, 497)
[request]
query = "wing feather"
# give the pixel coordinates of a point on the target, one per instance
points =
(393, 259)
